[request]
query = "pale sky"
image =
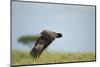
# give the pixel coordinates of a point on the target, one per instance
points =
(76, 23)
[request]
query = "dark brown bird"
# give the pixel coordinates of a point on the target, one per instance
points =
(46, 38)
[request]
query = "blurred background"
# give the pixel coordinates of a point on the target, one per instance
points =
(75, 22)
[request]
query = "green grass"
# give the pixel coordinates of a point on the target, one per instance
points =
(23, 58)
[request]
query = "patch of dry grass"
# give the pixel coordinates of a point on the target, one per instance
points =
(23, 58)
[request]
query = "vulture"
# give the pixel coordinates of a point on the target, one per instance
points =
(46, 38)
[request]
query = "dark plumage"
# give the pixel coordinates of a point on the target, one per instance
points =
(46, 38)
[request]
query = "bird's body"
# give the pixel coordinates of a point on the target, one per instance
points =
(46, 38)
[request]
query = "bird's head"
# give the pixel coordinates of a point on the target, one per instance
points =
(59, 35)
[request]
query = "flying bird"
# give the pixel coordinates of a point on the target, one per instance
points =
(46, 38)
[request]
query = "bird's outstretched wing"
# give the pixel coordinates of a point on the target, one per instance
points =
(38, 48)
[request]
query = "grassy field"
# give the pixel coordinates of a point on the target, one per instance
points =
(23, 58)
